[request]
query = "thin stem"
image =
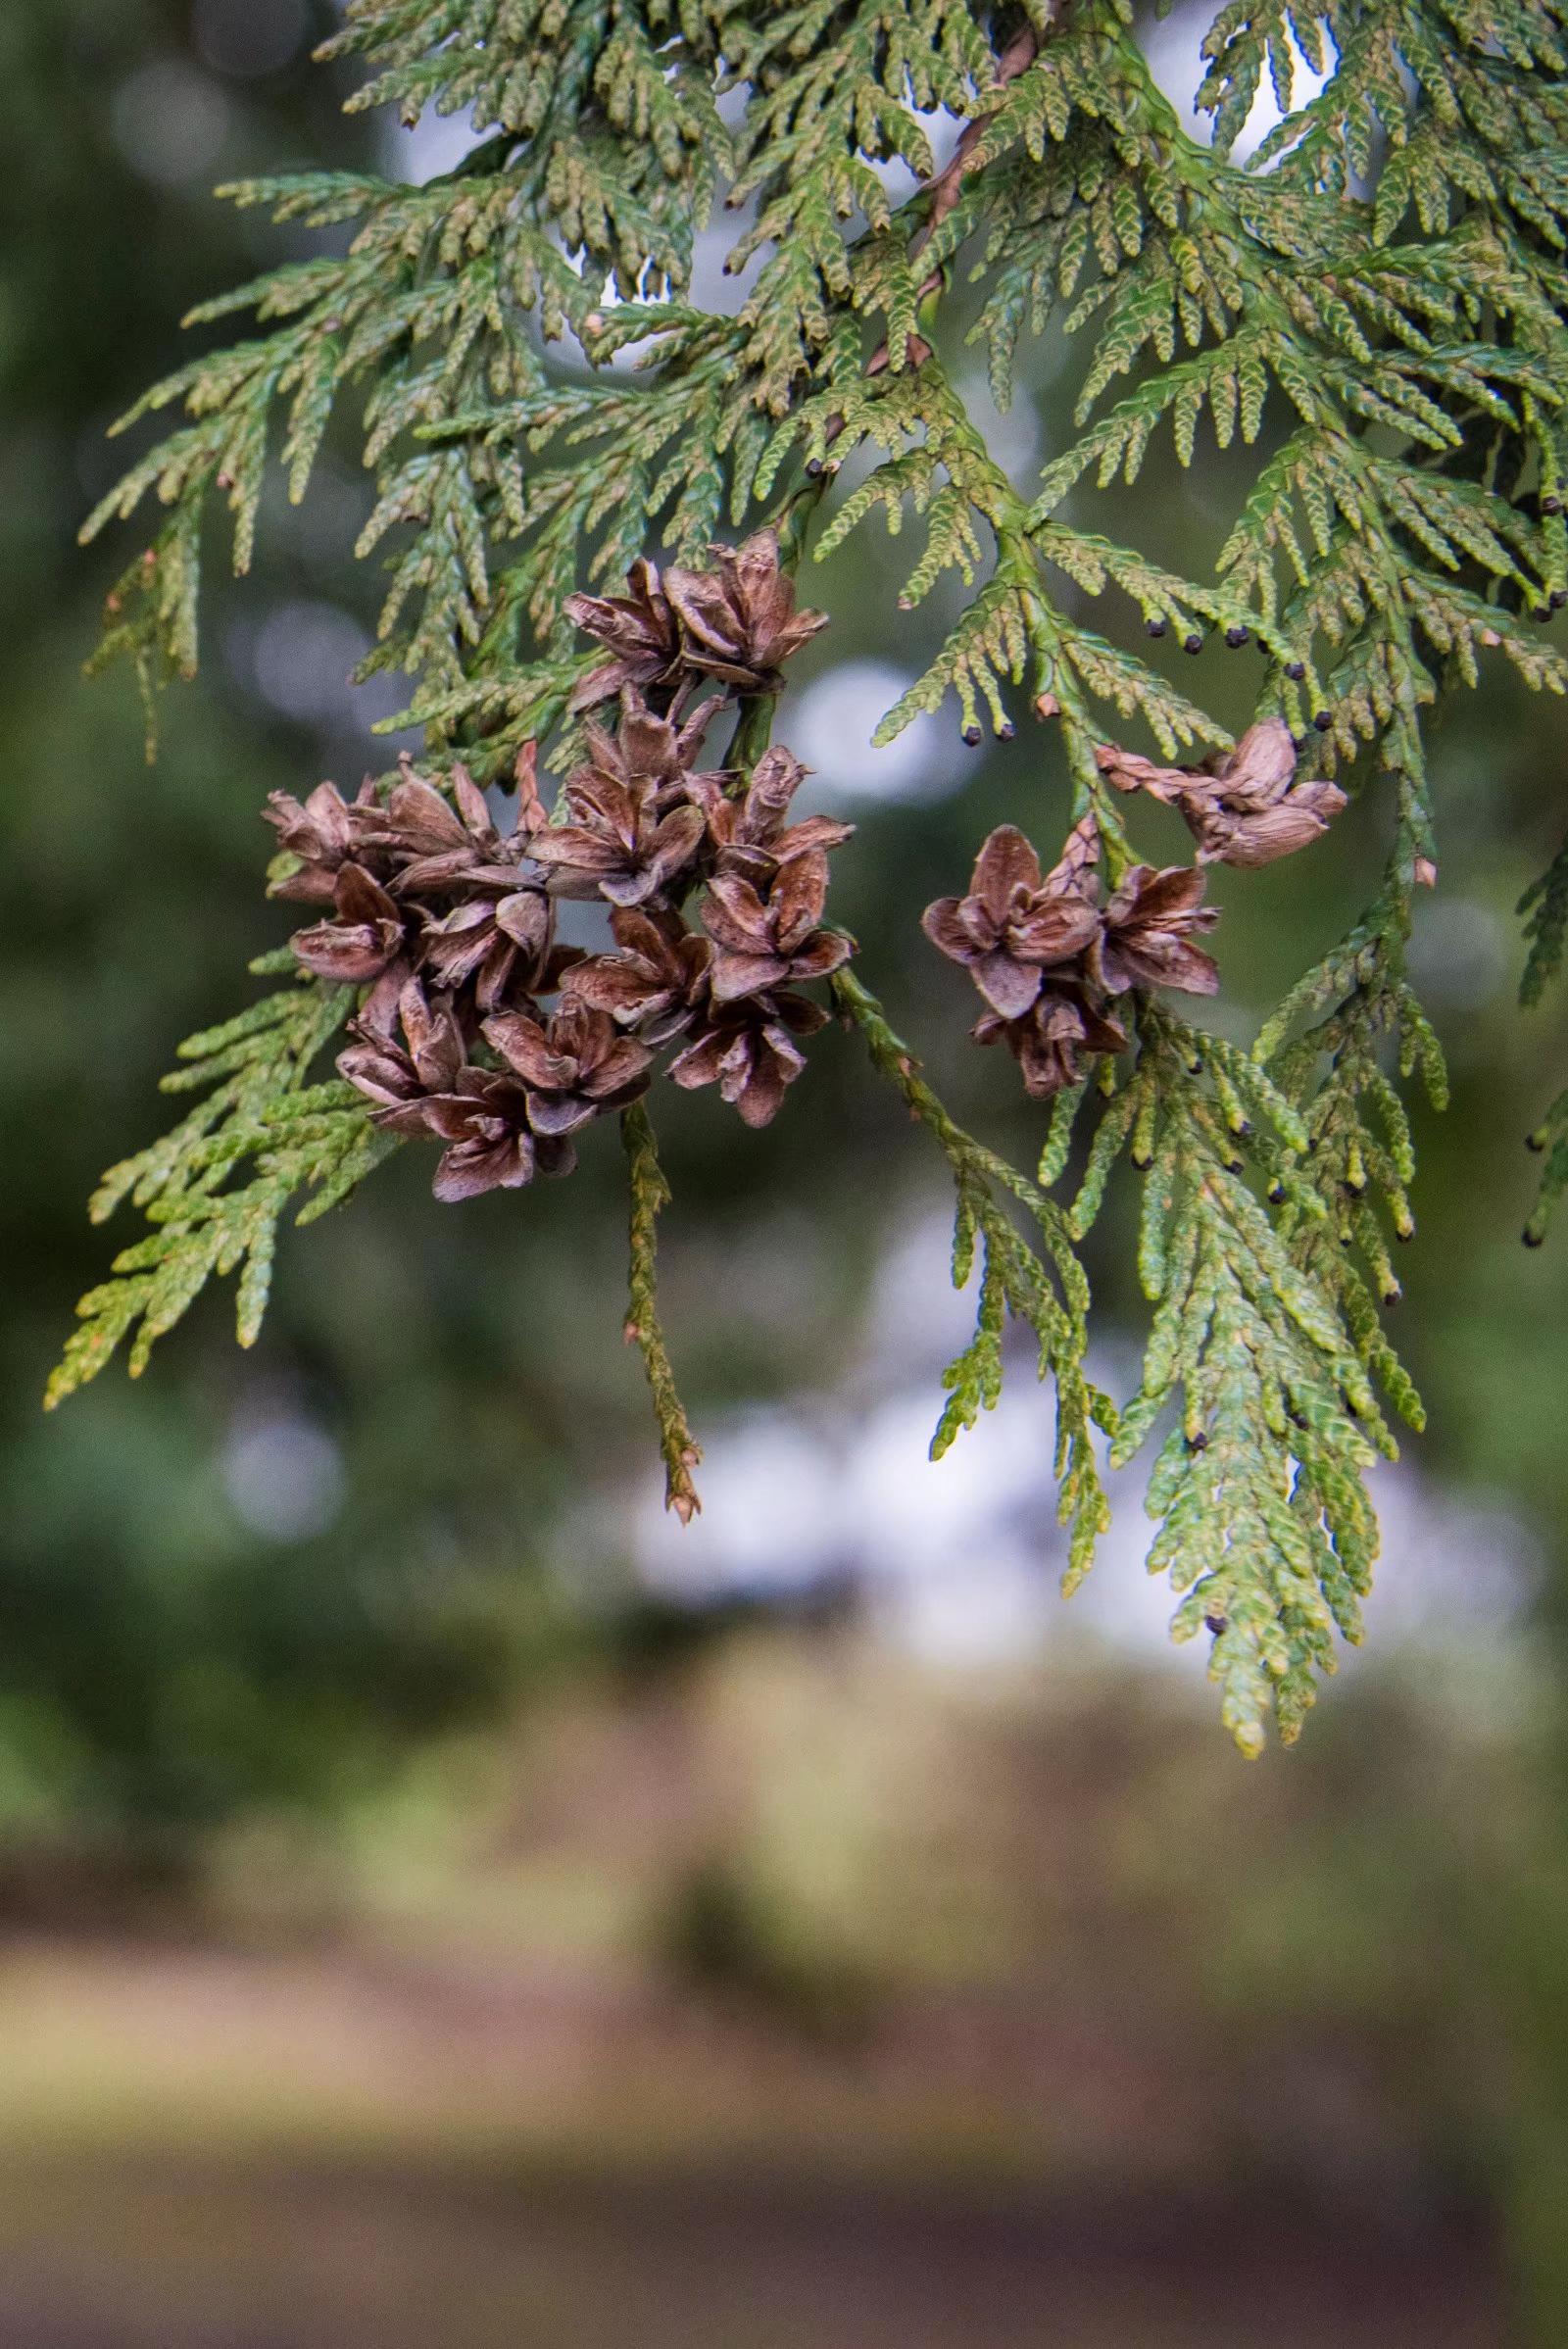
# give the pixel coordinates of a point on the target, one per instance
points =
(650, 1192)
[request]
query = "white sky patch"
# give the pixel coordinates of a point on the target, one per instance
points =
(422, 150)
(1174, 50)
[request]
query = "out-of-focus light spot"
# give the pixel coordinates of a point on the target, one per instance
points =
(284, 1477)
(249, 39)
(302, 660)
(172, 123)
(831, 724)
(772, 1525)
(1459, 954)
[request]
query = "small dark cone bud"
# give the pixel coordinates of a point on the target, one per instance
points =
(1143, 1164)
(1237, 1165)
(970, 738)
(1198, 1441)
(1155, 628)
(1541, 612)
(1276, 1195)
(1298, 743)
(1558, 598)
(1237, 637)
(1535, 1142)
(1393, 1295)
(1192, 643)
(814, 468)
(1217, 1624)
(1551, 503)
(1295, 670)
(1532, 1238)
(1007, 731)
(1323, 720)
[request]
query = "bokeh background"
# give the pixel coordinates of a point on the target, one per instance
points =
(439, 1902)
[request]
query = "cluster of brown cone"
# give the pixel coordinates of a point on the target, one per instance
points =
(449, 925)
(1050, 959)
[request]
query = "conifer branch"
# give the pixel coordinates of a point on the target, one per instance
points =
(1377, 307)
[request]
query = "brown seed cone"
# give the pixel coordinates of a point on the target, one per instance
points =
(325, 834)
(1050, 1040)
(1246, 809)
(1014, 924)
(750, 830)
(640, 631)
(657, 983)
(747, 1049)
(762, 942)
(445, 849)
(1145, 939)
(572, 1067)
(738, 621)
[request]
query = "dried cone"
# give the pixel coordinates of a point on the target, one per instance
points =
(364, 945)
(1050, 1040)
(400, 1077)
(325, 834)
(1014, 924)
(747, 1049)
(1146, 934)
(1250, 810)
(738, 621)
(750, 831)
(428, 1089)
(759, 943)
(438, 849)
(620, 844)
(573, 1067)
(658, 981)
(639, 630)
(501, 945)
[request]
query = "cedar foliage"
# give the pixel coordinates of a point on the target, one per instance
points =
(1377, 300)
